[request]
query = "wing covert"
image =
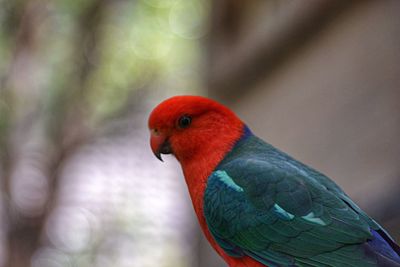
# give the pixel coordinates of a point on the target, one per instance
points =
(278, 213)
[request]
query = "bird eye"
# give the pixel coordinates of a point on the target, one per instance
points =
(184, 121)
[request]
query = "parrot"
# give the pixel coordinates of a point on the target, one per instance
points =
(256, 205)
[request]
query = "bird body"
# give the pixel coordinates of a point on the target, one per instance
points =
(256, 205)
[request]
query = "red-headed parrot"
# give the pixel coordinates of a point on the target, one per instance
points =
(257, 205)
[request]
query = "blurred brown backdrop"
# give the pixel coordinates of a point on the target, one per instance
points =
(318, 79)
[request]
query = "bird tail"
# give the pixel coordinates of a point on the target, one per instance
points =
(383, 249)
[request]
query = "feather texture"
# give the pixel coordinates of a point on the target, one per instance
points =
(258, 206)
(261, 203)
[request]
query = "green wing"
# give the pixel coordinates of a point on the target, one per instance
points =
(283, 213)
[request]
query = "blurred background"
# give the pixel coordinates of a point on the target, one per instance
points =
(79, 185)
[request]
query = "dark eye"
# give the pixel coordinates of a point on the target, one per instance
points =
(184, 121)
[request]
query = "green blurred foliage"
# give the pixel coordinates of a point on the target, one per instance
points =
(141, 44)
(128, 45)
(65, 68)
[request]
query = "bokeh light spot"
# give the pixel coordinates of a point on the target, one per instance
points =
(186, 19)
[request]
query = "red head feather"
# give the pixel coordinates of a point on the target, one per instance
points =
(213, 129)
(202, 145)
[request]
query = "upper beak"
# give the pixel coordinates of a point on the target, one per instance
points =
(160, 145)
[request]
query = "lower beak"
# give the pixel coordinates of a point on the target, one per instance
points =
(160, 145)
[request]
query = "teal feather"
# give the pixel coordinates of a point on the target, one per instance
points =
(262, 203)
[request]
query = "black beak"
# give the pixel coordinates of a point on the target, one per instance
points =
(165, 148)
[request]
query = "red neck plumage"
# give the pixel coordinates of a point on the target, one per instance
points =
(198, 166)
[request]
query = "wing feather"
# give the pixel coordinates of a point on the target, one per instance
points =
(279, 214)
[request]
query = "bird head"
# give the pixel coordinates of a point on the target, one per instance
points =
(192, 126)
